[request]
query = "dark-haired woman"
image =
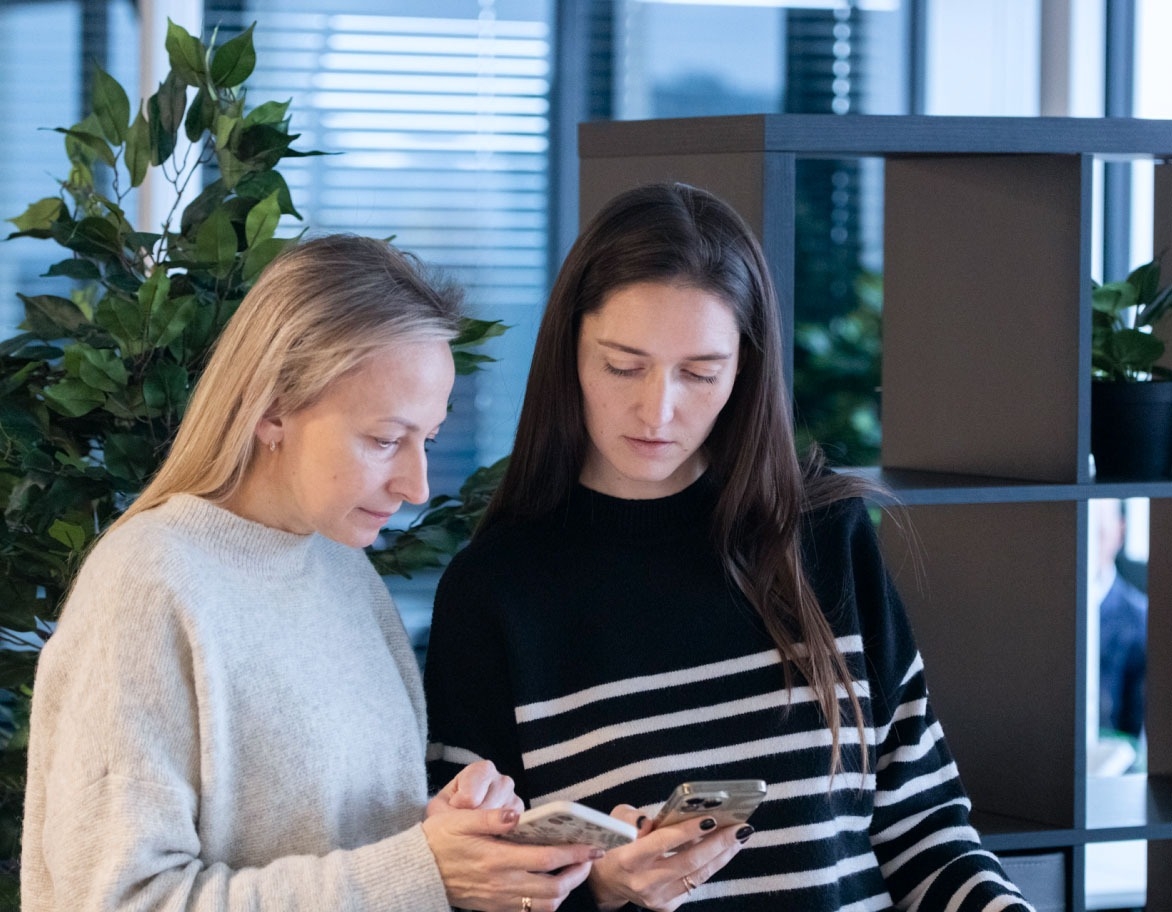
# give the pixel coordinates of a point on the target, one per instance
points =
(661, 591)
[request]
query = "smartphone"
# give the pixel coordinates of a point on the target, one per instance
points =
(728, 801)
(567, 822)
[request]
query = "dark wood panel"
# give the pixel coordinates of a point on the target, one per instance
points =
(982, 324)
(991, 592)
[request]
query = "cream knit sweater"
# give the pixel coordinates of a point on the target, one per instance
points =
(228, 717)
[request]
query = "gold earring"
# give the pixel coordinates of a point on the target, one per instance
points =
(272, 446)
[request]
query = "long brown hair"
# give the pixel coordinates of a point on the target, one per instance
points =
(679, 234)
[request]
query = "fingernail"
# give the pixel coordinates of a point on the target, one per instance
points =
(639, 823)
(508, 815)
(596, 854)
(745, 832)
(707, 823)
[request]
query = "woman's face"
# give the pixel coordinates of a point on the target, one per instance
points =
(656, 363)
(343, 465)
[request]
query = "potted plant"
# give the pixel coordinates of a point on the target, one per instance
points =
(1131, 394)
(93, 387)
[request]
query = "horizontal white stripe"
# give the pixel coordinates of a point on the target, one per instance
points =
(903, 712)
(546, 708)
(1001, 902)
(870, 904)
(811, 832)
(975, 881)
(610, 733)
(886, 798)
(909, 753)
(906, 824)
(796, 880)
(765, 747)
(936, 838)
(458, 755)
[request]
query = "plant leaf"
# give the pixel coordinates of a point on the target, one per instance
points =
(187, 55)
(165, 115)
(234, 61)
(137, 157)
(474, 332)
(215, 243)
(198, 210)
(169, 319)
(164, 388)
(73, 397)
(129, 457)
(41, 215)
(271, 112)
(259, 184)
(259, 256)
(111, 106)
(124, 320)
(82, 270)
(71, 535)
(92, 236)
(98, 368)
(91, 141)
(51, 317)
(262, 220)
(199, 115)
(262, 144)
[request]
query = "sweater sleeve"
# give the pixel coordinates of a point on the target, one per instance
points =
(113, 808)
(470, 698)
(930, 855)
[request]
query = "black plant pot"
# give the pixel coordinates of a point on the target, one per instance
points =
(1131, 429)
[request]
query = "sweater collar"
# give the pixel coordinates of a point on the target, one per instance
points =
(238, 541)
(658, 518)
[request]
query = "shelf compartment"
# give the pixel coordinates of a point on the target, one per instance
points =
(984, 275)
(999, 613)
(1129, 807)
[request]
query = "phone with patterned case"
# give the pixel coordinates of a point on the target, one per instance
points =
(567, 822)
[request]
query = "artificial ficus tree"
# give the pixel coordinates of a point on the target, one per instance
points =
(93, 386)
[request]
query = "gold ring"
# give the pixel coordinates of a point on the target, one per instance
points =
(526, 904)
(689, 884)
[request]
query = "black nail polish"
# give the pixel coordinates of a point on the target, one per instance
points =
(707, 823)
(745, 832)
(639, 823)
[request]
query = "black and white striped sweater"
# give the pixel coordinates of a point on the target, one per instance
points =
(601, 655)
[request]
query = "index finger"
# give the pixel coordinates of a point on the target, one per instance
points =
(671, 838)
(547, 858)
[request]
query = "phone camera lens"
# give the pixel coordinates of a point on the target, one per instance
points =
(712, 803)
(695, 802)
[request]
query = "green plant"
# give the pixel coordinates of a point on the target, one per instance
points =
(92, 389)
(1120, 348)
(836, 378)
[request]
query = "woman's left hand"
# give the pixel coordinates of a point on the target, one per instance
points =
(478, 785)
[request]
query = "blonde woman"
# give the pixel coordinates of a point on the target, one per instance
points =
(229, 715)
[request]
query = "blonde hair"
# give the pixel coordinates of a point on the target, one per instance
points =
(315, 314)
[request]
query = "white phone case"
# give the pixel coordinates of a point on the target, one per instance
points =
(567, 822)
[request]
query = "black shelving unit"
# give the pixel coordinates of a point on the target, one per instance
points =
(986, 430)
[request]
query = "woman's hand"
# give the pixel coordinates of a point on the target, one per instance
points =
(661, 868)
(477, 785)
(488, 874)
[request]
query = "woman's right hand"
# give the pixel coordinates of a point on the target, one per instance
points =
(488, 874)
(659, 870)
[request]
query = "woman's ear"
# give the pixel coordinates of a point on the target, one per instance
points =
(270, 430)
